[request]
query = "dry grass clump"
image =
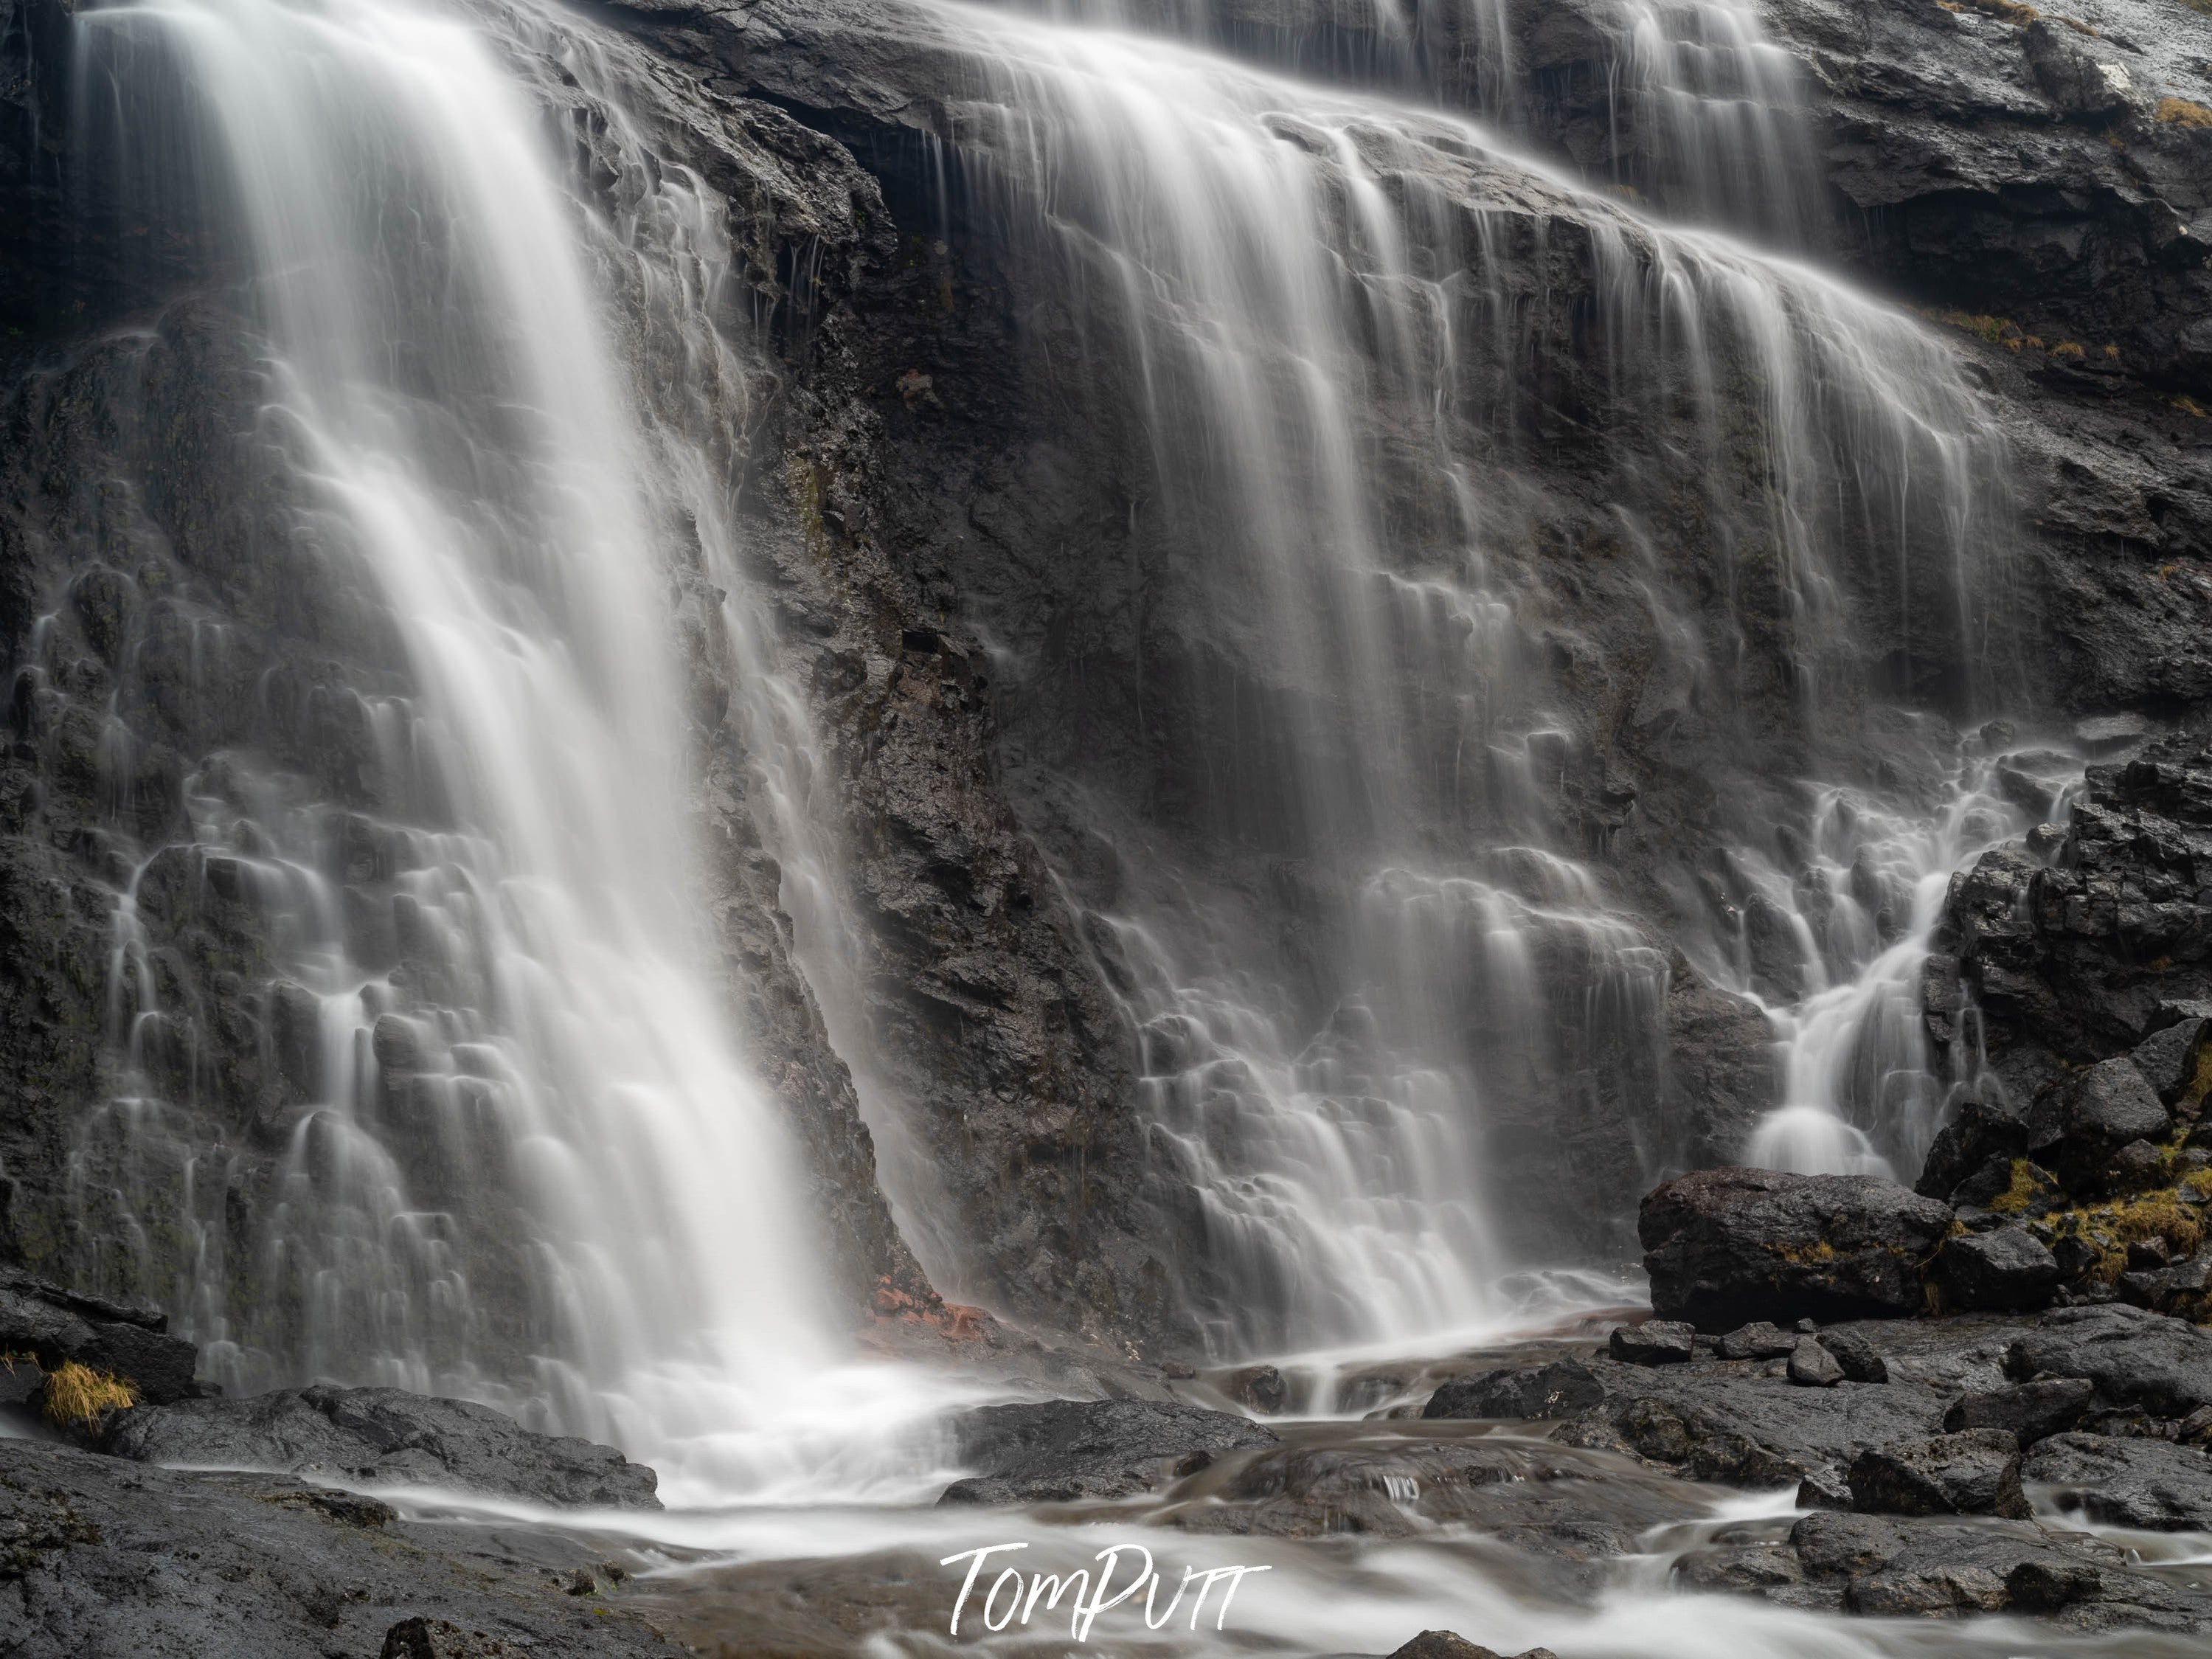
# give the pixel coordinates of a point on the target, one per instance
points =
(2180, 113)
(77, 1393)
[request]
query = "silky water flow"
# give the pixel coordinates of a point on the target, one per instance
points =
(538, 1170)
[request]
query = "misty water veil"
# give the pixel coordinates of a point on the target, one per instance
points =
(1335, 840)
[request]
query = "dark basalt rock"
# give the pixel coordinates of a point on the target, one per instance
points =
(2004, 1269)
(2029, 1411)
(1544, 1501)
(1975, 1472)
(2094, 955)
(2154, 1484)
(2173, 1061)
(2075, 1128)
(1760, 1339)
(1722, 1422)
(52, 1325)
(1889, 1566)
(1812, 1366)
(110, 1559)
(1725, 1246)
(1061, 1450)
(1559, 1390)
(1860, 1361)
(383, 1437)
(2135, 1359)
(1978, 1135)
(1654, 1342)
(1448, 1645)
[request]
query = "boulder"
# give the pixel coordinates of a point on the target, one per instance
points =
(1813, 1367)
(1565, 1389)
(2175, 1062)
(1899, 1567)
(1259, 1387)
(1727, 1246)
(1760, 1339)
(2005, 1268)
(1975, 1472)
(1860, 1361)
(1978, 1134)
(1062, 1450)
(2137, 1167)
(383, 1437)
(2153, 1485)
(2029, 1411)
(1723, 1423)
(1546, 1501)
(111, 1559)
(54, 1325)
(1448, 1645)
(2136, 1359)
(1654, 1342)
(2077, 1125)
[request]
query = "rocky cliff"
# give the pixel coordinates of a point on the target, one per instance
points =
(1020, 685)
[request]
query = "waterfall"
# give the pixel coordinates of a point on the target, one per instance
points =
(1344, 325)
(536, 1169)
(1689, 104)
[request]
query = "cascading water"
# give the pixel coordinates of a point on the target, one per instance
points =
(534, 1169)
(1334, 318)
(1695, 107)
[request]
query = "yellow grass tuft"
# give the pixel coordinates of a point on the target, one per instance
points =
(77, 1393)
(2180, 113)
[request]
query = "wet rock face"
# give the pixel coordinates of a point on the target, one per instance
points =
(1063, 1450)
(50, 1326)
(2153, 1485)
(2029, 1411)
(2135, 1359)
(1724, 1246)
(383, 1437)
(1564, 1390)
(2105, 950)
(114, 1561)
(1973, 1472)
(2005, 1268)
(1557, 1506)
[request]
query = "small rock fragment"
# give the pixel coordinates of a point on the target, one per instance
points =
(1813, 1367)
(1858, 1357)
(1757, 1341)
(1654, 1342)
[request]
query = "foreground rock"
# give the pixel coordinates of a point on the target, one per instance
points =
(1727, 1247)
(1059, 1452)
(2136, 1359)
(2153, 1485)
(384, 1436)
(52, 1325)
(1734, 1423)
(1885, 1566)
(108, 1560)
(1974, 1471)
(1558, 1514)
(1449, 1644)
